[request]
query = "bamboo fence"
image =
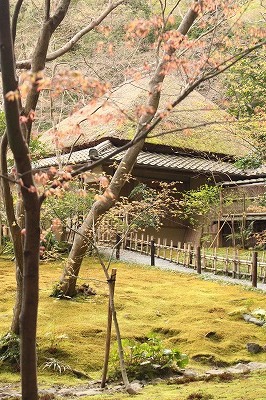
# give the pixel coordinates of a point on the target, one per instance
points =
(251, 267)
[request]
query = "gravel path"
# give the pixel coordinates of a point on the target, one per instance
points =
(142, 259)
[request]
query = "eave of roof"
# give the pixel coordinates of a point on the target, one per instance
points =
(174, 162)
(245, 182)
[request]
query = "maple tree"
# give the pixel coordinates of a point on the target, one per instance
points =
(25, 224)
(198, 59)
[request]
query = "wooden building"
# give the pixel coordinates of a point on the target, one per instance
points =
(189, 169)
(175, 152)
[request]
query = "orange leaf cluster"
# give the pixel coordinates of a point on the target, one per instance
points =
(104, 29)
(140, 28)
(143, 109)
(105, 197)
(12, 95)
(64, 80)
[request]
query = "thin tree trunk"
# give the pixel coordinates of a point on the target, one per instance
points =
(15, 234)
(19, 148)
(111, 287)
(29, 310)
(72, 268)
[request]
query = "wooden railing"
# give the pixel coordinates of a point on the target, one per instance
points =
(230, 264)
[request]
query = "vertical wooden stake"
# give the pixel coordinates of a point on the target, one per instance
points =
(111, 284)
(141, 243)
(152, 252)
(185, 255)
(198, 259)
(171, 251)
(136, 242)
(178, 251)
(255, 269)
(215, 260)
(234, 264)
(117, 246)
(158, 247)
(226, 261)
(147, 244)
(164, 248)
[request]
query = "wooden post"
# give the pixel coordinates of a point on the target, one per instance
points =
(178, 251)
(141, 243)
(255, 269)
(234, 264)
(136, 242)
(215, 260)
(147, 244)
(226, 261)
(130, 241)
(111, 283)
(164, 248)
(117, 246)
(189, 255)
(263, 269)
(185, 255)
(198, 259)
(124, 243)
(158, 247)
(171, 251)
(152, 252)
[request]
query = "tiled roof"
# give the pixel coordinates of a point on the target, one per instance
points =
(245, 182)
(175, 162)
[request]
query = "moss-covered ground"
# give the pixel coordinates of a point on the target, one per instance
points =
(180, 308)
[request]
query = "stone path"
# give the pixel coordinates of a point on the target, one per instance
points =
(8, 391)
(138, 258)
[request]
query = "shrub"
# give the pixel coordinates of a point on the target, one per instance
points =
(10, 348)
(148, 359)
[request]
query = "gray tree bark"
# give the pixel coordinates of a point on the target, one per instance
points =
(15, 230)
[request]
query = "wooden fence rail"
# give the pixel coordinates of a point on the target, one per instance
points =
(199, 259)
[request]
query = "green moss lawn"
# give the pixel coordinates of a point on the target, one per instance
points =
(180, 308)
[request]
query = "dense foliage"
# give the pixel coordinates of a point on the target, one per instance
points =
(246, 91)
(246, 86)
(199, 202)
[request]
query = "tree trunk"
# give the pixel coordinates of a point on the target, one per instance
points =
(15, 233)
(80, 244)
(29, 310)
(19, 148)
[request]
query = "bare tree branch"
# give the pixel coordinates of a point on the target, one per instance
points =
(39, 57)
(26, 64)
(47, 9)
(15, 19)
